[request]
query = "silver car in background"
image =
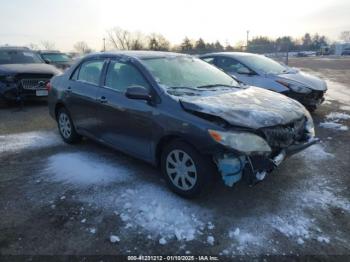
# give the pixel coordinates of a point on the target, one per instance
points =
(260, 71)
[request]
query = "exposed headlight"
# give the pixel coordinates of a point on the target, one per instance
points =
(295, 87)
(309, 126)
(241, 141)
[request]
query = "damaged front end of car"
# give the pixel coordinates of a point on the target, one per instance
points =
(251, 155)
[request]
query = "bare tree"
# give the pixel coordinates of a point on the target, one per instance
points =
(47, 45)
(82, 47)
(345, 36)
(124, 40)
(33, 46)
(158, 42)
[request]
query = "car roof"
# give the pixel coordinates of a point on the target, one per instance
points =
(18, 48)
(136, 54)
(230, 54)
(49, 52)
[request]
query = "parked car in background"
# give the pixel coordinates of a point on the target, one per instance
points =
(23, 74)
(180, 113)
(346, 51)
(260, 71)
(56, 58)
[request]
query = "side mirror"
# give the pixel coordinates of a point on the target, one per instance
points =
(244, 71)
(47, 61)
(138, 92)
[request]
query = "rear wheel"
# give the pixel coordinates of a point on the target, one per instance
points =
(66, 127)
(187, 172)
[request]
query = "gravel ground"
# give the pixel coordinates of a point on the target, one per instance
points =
(89, 200)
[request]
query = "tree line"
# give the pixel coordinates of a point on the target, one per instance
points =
(120, 39)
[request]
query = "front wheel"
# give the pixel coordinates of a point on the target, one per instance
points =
(66, 127)
(187, 172)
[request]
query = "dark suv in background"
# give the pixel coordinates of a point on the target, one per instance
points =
(180, 113)
(56, 58)
(23, 74)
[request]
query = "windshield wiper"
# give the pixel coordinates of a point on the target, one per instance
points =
(215, 85)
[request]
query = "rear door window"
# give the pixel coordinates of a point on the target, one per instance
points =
(90, 72)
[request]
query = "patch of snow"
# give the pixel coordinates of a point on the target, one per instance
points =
(84, 169)
(92, 230)
(333, 125)
(294, 226)
(210, 225)
(114, 239)
(210, 240)
(162, 241)
(63, 197)
(28, 140)
(323, 239)
(338, 115)
(300, 241)
(83, 220)
(346, 108)
(315, 152)
(160, 212)
(338, 92)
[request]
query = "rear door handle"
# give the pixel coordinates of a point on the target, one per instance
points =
(102, 99)
(69, 89)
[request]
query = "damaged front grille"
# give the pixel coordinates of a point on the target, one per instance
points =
(283, 136)
(34, 84)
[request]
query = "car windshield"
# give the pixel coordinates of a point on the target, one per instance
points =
(187, 72)
(263, 64)
(19, 57)
(56, 57)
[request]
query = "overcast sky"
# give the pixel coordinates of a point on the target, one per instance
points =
(65, 22)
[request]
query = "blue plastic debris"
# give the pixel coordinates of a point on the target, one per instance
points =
(231, 169)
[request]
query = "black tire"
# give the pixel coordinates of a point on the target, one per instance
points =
(203, 177)
(3, 103)
(66, 127)
(311, 109)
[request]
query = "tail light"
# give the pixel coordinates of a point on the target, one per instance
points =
(48, 86)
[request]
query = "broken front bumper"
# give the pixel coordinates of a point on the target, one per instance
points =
(254, 168)
(312, 99)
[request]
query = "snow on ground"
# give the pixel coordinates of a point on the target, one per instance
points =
(338, 116)
(28, 140)
(334, 125)
(338, 92)
(138, 204)
(333, 120)
(85, 169)
(149, 207)
(314, 153)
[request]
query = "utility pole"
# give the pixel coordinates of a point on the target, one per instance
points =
(104, 44)
(247, 40)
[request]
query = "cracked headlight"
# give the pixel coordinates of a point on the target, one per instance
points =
(241, 141)
(295, 87)
(309, 126)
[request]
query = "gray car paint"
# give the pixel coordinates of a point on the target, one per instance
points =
(121, 123)
(252, 107)
(268, 81)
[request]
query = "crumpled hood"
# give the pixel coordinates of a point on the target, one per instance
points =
(28, 69)
(306, 79)
(252, 107)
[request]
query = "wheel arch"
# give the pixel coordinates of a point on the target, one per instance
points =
(166, 140)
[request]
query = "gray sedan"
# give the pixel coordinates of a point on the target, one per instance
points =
(260, 71)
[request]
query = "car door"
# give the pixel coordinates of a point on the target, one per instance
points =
(81, 95)
(126, 124)
(236, 69)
